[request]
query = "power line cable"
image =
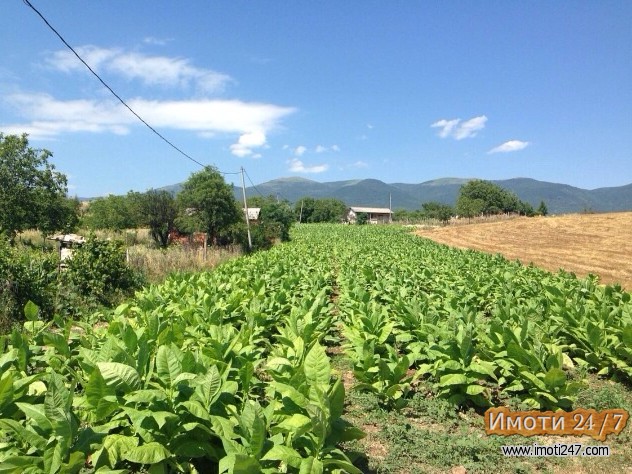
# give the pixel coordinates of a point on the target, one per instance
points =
(255, 187)
(30, 5)
(253, 184)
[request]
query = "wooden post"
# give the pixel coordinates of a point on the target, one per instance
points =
(205, 245)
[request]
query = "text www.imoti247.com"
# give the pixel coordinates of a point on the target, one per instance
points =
(558, 450)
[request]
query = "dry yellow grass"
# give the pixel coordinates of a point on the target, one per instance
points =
(156, 264)
(581, 243)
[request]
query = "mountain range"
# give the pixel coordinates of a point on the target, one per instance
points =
(559, 198)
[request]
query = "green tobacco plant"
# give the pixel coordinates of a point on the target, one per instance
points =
(462, 375)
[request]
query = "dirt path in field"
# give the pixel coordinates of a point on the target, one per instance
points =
(581, 243)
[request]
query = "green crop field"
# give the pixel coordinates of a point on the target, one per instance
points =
(349, 349)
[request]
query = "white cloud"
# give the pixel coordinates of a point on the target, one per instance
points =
(156, 41)
(470, 127)
(151, 70)
(300, 150)
(509, 146)
(446, 126)
(458, 129)
(247, 142)
(323, 149)
(297, 166)
(49, 117)
(359, 164)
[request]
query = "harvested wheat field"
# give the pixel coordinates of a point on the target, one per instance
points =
(581, 243)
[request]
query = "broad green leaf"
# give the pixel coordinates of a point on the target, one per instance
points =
(238, 463)
(6, 389)
(474, 389)
(53, 456)
(168, 364)
(25, 434)
(164, 417)
(196, 409)
(146, 396)
(7, 359)
(533, 379)
(149, 453)
(290, 392)
(257, 436)
(38, 414)
(120, 377)
(317, 367)
(76, 461)
(288, 455)
(452, 379)
(22, 464)
(337, 399)
(58, 341)
(311, 465)
(626, 335)
(296, 424)
(342, 430)
(343, 465)
(118, 446)
(100, 396)
(555, 378)
(31, 311)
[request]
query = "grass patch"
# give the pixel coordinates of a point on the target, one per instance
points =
(157, 264)
(432, 436)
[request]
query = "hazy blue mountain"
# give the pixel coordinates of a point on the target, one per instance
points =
(559, 198)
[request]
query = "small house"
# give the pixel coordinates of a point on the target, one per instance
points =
(375, 215)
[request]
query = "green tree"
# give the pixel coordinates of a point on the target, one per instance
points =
(320, 210)
(484, 197)
(260, 201)
(159, 211)
(206, 203)
(279, 217)
(437, 210)
(62, 216)
(32, 193)
(542, 209)
(468, 207)
(304, 208)
(115, 212)
(362, 218)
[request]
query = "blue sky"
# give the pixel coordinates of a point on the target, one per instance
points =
(402, 91)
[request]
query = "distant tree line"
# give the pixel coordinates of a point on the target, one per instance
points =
(476, 198)
(33, 196)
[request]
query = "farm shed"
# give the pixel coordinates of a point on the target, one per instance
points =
(375, 215)
(253, 214)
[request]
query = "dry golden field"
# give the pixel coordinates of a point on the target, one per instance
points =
(581, 243)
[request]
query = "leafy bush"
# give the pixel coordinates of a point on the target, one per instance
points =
(25, 275)
(98, 271)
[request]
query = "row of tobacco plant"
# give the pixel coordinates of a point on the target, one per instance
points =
(227, 371)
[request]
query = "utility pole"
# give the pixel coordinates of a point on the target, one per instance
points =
(390, 208)
(243, 190)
